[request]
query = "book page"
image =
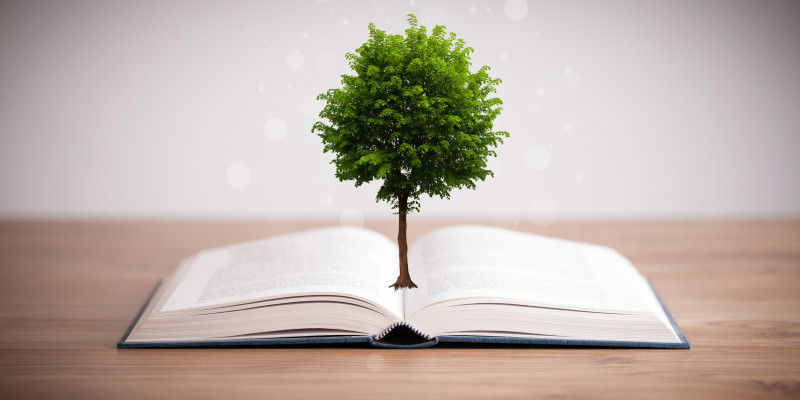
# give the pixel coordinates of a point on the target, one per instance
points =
(346, 261)
(474, 261)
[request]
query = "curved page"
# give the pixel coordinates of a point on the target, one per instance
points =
(346, 261)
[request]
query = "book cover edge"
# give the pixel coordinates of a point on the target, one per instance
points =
(121, 343)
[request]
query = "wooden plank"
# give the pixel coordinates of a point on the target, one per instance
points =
(68, 290)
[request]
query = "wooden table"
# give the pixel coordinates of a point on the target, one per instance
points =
(69, 289)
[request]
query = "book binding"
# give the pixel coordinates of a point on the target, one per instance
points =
(399, 324)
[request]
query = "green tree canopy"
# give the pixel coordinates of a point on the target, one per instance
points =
(413, 115)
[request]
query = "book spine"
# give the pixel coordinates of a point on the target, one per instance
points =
(401, 323)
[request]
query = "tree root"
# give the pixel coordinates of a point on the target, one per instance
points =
(403, 282)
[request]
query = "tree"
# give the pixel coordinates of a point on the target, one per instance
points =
(414, 116)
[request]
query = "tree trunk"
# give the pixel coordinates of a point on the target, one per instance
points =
(403, 280)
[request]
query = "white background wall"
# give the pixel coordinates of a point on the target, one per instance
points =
(616, 108)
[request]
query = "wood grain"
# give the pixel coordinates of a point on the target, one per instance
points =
(69, 289)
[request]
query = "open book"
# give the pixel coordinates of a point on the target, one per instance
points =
(476, 284)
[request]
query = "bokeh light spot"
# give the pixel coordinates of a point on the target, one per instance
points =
(275, 128)
(537, 158)
(238, 175)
